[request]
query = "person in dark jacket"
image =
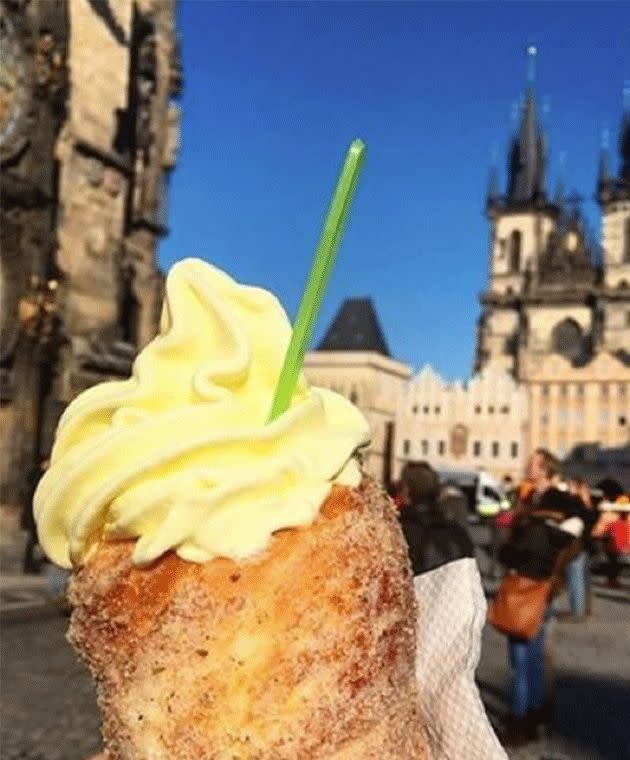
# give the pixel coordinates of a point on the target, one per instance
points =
(433, 539)
(451, 614)
(538, 548)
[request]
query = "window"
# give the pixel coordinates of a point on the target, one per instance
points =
(495, 449)
(579, 389)
(626, 247)
(414, 409)
(514, 450)
(622, 421)
(545, 390)
(567, 339)
(505, 410)
(130, 310)
(603, 389)
(425, 409)
(564, 391)
(477, 449)
(490, 410)
(441, 448)
(406, 446)
(354, 397)
(621, 391)
(437, 410)
(424, 448)
(477, 410)
(515, 251)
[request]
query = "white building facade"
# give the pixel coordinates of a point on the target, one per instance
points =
(478, 425)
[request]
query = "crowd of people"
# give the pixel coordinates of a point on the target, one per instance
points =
(548, 540)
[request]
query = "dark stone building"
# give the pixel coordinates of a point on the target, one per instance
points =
(88, 136)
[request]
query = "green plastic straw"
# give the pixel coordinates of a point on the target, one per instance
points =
(329, 240)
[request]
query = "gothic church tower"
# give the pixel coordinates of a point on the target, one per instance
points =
(542, 289)
(521, 221)
(613, 194)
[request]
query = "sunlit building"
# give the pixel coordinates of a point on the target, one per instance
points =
(556, 309)
(89, 133)
(481, 424)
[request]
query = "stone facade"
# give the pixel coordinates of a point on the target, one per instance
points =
(572, 406)
(456, 426)
(556, 311)
(374, 383)
(86, 204)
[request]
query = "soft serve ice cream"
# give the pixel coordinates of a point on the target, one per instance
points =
(181, 456)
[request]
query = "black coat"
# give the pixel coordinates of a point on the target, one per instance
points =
(433, 539)
(534, 547)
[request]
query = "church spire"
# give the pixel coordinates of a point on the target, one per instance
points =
(494, 192)
(559, 195)
(493, 195)
(527, 160)
(604, 176)
(624, 136)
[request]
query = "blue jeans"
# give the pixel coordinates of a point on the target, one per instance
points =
(575, 575)
(527, 662)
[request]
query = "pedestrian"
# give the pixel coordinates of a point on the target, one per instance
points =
(537, 552)
(613, 528)
(451, 616)
(31, 563)
(578, 572)
(454, 503)
(509, 488)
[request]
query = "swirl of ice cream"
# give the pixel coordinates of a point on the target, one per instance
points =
(180, 456)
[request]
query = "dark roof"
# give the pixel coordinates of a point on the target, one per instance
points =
(355, 328)
(527, 159)
(610, 187)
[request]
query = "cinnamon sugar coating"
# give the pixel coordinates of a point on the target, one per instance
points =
(304, 652)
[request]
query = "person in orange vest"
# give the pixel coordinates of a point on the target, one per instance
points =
(613, 527)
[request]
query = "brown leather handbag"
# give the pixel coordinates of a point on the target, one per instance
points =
(519, 605)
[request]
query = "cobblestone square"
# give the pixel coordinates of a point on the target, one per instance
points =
(49, 710)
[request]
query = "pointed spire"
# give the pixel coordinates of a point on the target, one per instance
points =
(603, 173)
(532, 52)
(527, 161)
(494, 191)
(559, 198)
(624, 135)
(540, 187)
(493, 196)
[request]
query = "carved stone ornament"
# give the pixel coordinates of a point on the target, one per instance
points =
(15, 89)
(107, 356)
(112, 181)
(459, 441)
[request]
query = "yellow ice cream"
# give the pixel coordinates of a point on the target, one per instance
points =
(181, 455)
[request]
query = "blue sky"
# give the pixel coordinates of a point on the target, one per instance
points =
(275, 92)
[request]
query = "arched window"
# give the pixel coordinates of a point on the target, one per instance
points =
(515, 251)
(567, 339)
(129, 312)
